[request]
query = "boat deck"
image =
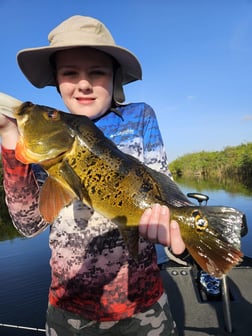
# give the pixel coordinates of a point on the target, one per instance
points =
(196, 314)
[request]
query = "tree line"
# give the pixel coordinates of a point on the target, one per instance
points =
(234, 162)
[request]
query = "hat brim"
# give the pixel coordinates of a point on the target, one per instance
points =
(36, 66)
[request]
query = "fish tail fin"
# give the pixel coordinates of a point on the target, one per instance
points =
(216, 248)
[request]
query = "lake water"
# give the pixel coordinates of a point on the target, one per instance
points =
(25, 272)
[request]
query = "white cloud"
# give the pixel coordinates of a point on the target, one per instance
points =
(247, 118)
(190, 98)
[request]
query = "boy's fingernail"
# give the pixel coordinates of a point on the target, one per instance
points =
(174, 225)
(164, 210)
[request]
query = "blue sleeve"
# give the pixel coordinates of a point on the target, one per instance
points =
(154, 150)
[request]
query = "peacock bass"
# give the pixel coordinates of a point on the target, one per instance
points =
(82, 163)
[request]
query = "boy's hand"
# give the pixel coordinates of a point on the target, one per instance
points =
(8, 131)
(156, 226)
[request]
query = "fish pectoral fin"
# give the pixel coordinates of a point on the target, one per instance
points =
(131, 239)
(53, 197)
(74, 181)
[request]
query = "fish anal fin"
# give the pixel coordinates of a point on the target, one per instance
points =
(130, 235)
(53, 197)
(131, 238)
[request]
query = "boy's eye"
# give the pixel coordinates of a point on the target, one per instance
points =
(69, 73)
(93, 72)
(97, 72)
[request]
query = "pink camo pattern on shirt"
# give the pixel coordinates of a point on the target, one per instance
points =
(100, 276)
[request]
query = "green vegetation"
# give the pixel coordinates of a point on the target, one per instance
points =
(7, 230)
(232, 162)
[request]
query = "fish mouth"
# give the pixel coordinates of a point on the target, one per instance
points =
(52, 161)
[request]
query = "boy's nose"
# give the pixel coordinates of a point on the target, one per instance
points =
(84, 84)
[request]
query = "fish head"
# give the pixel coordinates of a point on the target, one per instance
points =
(44, 136)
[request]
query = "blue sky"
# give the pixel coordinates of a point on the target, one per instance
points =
(196, 57)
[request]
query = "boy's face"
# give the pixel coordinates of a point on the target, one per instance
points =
(85, 80)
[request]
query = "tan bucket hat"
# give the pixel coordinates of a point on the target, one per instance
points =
(76, 31)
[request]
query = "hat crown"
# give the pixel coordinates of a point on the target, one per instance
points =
(76, 31)
(80, 30)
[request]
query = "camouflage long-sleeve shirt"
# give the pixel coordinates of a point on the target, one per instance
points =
(93, 274)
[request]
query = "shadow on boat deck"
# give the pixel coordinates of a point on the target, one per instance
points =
(198, 315)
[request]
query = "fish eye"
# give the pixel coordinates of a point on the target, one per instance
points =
(52, 115)
(201, 223)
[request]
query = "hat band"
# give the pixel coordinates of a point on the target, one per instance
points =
(80, 38)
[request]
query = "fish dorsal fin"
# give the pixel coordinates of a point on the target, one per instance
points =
(53, 197)
(168, 189)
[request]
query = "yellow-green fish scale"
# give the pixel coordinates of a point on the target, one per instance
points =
(113, 187)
